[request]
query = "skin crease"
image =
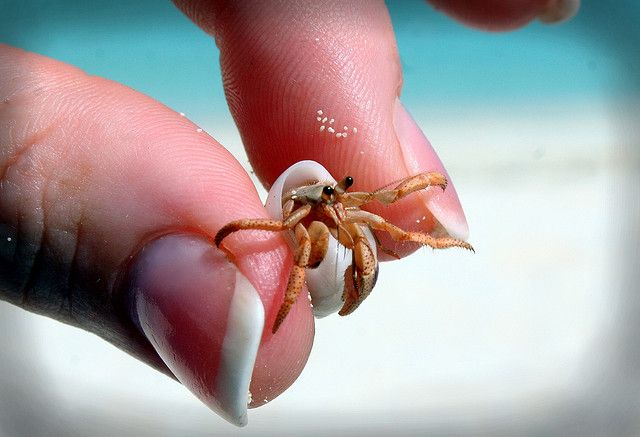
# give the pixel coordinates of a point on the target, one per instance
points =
(91, 170)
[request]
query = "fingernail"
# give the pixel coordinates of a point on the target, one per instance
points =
(559, 10)
(419, 156)
(201, 315)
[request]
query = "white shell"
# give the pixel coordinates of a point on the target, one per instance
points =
(325, 282)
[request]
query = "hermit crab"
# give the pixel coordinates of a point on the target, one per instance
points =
(324, 220)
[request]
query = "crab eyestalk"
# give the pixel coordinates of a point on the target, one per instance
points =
(344, 185)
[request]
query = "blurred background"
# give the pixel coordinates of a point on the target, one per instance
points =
(538, 333)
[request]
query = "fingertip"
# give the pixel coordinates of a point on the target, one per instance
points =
(283, 355)
(211, 324)
(503, 15)
(443, 206)
(201, 315)
(266, 262)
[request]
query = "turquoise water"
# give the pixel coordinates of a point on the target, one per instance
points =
(592, 56)
(152, 47)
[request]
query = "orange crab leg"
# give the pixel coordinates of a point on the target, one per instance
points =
(403, 189)
(312, 247)
(262, 224)
(287, 208)
(319, 236)
(377, 222)
(382, 247)
(412, 184)
(361, 276)
(239, 225)
(296, 277)
(301, 255)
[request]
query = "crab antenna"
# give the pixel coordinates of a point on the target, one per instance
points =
(344, 184)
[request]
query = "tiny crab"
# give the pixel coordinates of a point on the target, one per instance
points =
(316, 211)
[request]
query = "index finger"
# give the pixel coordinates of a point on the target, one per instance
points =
(321, 81)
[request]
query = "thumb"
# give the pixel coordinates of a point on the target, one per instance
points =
(108, 201)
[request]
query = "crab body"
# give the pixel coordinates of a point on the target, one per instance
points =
(321, 214)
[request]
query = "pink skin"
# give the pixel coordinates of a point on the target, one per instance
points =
(501, 15)
(129, 167)
(88, 158)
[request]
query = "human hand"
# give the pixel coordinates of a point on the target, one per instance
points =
(92, 172)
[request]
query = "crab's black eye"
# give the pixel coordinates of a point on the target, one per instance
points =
(342, 186)
(327, 190)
